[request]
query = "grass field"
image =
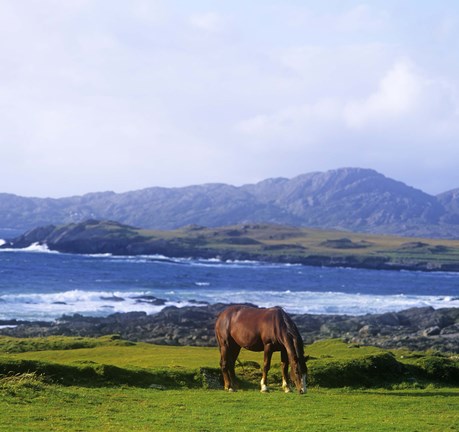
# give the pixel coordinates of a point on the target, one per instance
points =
(38, 407)
(106, 384)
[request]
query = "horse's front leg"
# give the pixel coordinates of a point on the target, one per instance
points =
(268, 353)
(284, 368)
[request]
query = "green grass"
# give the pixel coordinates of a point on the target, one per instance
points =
(36, 406)
(106, 384)
(17, 345)
(110, 350)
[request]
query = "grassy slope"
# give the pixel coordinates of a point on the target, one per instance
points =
(332, 362)
(31, 402)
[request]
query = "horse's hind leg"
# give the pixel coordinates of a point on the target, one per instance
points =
(233, 354)
(224, 364)
(284, 367)
(229, 352)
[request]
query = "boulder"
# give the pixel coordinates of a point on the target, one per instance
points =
(369, 330)
(431, 331)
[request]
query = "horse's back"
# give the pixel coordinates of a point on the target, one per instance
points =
(243, 313)
(249, 327)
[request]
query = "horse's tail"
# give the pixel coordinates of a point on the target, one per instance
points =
(292, 335)
(295, 351)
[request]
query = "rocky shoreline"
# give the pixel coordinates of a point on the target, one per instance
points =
(415, 329)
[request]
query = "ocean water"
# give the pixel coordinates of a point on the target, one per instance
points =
(38, 284)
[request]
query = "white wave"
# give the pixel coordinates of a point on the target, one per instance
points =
(234, 263)
(320, 302)
(2, 242)
(199, 262)
(34, 247)
(49, 306)
(37, 247)
(91, 303)
(155, 257)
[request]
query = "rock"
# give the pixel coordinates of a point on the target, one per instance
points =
(387, 319)
(150, 300)
(368, 330)
(450, 330)
(431, 331)
(112, 298)
(417, 317)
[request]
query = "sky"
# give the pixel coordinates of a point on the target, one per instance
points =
(110, 95)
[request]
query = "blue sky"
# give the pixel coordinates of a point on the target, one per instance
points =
(115, 95)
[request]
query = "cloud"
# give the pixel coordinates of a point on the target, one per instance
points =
(402, 95)
(410, 103)
(208, 21)
(399, 93)
(301, 123)
(362, 17)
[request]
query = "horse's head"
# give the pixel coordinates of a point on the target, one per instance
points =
(298, 373)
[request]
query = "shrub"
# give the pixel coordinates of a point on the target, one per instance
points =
(368, 371)
(437, 368)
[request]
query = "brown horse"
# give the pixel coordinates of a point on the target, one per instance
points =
(260, 329)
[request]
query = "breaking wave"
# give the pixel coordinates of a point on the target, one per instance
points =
(50, 306)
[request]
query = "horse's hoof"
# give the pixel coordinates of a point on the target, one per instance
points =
(231, 390)
(264, 390)
(287, 390)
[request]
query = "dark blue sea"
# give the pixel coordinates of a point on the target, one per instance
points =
(38, 284)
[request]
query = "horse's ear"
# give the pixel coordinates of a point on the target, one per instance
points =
(306, 358)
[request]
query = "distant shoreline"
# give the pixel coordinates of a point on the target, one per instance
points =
(264, 243)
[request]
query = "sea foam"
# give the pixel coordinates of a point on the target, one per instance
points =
(101, 303)
(34, 247)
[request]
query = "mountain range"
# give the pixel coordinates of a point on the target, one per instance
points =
(352, 199)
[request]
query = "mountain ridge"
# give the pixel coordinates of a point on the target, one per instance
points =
(353, 199)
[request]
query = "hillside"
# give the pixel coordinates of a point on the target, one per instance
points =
(259, 242)
(348, 199)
